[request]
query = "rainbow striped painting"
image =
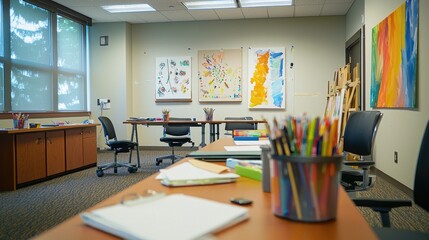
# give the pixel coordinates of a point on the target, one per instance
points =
(267, 86)
(394, 59)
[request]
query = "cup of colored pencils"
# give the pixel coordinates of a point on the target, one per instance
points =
(304, 168)
(165, 114)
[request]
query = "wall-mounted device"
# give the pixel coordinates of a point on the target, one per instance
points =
(104, 103)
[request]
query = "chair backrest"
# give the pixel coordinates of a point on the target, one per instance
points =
(109, 130)
(360, 132)
(239, 126)
(178, 130)
(421, 180)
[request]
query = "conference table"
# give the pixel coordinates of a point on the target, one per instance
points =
(214, 126)
(262, 223)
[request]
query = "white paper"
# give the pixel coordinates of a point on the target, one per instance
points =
(243, 148)
(176, 216)
(187, 171)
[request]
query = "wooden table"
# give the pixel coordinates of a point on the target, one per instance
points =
(214, 126)
(262, 223)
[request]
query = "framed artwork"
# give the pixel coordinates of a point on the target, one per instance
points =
(267, 86)
(394, 59)
(219, 75)
(173, 79)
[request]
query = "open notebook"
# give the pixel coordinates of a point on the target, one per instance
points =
(175, 216)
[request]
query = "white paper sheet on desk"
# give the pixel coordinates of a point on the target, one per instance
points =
(252, 143)
(175, 216)
(243, 148)
(186, 171)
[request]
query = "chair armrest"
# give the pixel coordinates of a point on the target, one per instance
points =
(382, 206)
(382, 203)
(359, 163)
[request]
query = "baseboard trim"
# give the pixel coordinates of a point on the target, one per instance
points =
(396, 183)
(157, 148)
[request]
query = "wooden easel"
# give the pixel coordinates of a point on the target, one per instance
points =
(343, 98)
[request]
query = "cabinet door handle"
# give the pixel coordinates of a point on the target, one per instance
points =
(38, 140)
(49, 140)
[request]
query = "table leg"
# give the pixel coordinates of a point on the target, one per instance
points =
(203, 135)
(134, 131)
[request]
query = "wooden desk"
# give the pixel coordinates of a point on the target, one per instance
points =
(262, 223)
(34, 154)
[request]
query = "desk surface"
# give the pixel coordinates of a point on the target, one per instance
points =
(262, 223)
(138, 121)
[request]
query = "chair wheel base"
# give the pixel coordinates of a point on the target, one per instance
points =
(132, 169)
(99, 172)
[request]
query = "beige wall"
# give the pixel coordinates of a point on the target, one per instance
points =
(110, 74)
(318, 51)
(400, 130)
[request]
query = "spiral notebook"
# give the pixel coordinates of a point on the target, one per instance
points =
(176, 216)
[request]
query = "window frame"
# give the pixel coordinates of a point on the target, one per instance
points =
(54, 10)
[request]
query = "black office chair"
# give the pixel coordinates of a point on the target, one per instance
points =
(176, 135)
(359, 136)
(230, 127)
(421, 198)
(119, 146)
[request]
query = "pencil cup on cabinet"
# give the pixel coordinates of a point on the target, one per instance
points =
(305, 188)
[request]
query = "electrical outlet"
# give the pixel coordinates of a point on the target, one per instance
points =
(395, 156)
(104, 103)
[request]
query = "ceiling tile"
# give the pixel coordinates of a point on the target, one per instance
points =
(308, 10)
(256, 12)
(231, 13)
(335, 9)
(174, 10)
(204, 15)
(181, 15)
(309, 2)
(275, 12)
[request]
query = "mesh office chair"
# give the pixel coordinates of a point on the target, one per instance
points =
(230, 127)
(359, 137)
(119, 146)
(421, 198)
(175, 135)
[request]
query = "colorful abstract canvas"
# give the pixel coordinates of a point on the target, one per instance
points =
(219, 75)
(173, 79)
(267, 86)
(394, 59)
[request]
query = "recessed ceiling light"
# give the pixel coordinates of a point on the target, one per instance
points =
(128, 8)
(210, 4)
(266, 3)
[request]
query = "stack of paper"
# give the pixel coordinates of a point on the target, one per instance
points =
(195, 172)
(175, 216)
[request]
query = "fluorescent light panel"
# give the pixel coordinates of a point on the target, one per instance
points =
(266, 3)
(128, 8)
(210, 4)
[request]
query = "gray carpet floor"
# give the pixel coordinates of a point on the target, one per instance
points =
(31, 210)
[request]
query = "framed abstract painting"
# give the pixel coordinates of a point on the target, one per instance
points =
(173, 79)
(219, 75)
(394, 59)
(266, 71)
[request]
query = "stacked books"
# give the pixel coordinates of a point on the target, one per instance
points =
(250, 135)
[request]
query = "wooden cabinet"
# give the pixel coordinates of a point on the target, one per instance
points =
(81, 145)
(31, 155)
(89, 146)
(55, 153)
(74, 146)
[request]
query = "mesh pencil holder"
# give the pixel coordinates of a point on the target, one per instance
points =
(305, 188)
